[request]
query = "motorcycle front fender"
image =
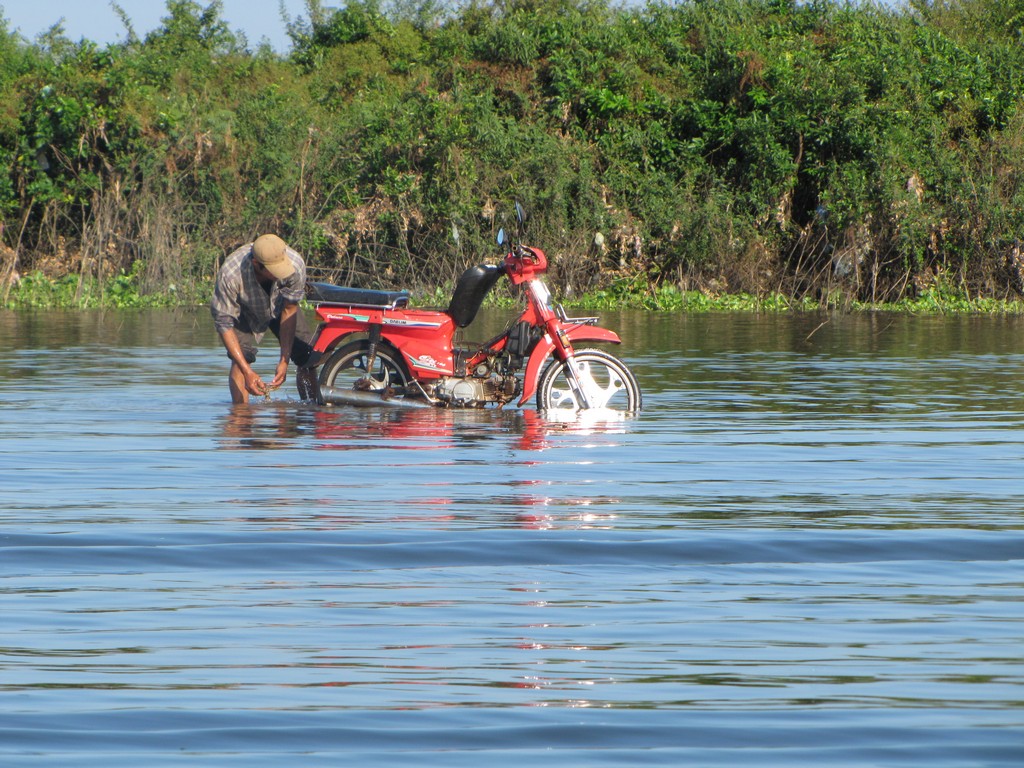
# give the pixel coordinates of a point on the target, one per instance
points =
(546, 345)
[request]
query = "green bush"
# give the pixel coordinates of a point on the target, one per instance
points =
(791, 152)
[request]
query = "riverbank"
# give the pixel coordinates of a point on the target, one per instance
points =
(37, 292)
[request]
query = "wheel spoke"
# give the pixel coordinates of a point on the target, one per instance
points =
(564, 398)
(597, 395)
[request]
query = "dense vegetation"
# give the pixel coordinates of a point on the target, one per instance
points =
(799, 152)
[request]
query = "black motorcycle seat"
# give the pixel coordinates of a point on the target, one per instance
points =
(325, 293)
(473, 286)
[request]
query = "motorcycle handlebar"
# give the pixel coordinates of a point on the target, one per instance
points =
(521, 259)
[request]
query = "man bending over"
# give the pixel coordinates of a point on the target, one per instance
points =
(259, 287)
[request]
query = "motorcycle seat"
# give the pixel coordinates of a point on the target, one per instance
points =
(325, 293)
(473, 286)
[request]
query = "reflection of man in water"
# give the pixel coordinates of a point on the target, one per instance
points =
(259, 286)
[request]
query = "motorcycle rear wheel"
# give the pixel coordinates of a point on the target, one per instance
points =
(607, 381)
(346, 369)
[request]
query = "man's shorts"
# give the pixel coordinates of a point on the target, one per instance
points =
(303, 354)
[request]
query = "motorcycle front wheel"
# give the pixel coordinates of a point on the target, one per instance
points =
(349, 368)
(606, 381)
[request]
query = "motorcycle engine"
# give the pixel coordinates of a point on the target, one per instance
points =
(483, 388)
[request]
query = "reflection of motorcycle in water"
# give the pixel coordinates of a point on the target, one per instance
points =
(433, 429)
(378, 351)
(508, 447)
(402, 429)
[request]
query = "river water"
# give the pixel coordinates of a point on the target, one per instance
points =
(806, 551)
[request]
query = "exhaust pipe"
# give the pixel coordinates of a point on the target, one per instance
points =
(335, 396)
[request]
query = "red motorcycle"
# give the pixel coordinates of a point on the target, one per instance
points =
(376, 350)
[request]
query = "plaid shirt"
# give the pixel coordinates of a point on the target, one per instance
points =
(239, 301)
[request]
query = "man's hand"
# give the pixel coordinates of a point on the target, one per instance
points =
(254, 385)
(280, 374)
